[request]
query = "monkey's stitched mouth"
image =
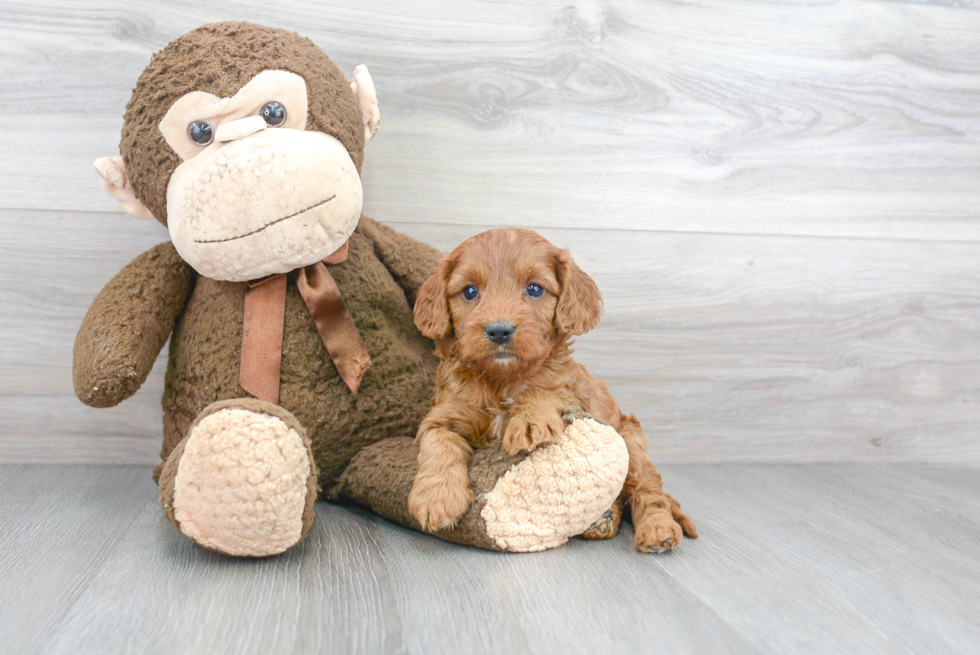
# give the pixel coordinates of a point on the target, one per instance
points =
(278, 220)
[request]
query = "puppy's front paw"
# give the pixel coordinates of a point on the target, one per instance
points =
(438, 500)
(525, 433)
(657, 533)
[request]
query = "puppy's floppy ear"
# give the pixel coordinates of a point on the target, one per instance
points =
(432, 307)
(579, 301)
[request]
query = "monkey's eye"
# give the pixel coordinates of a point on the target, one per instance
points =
(534, 290)
(471, 292)
(274, 113)
(200, 133)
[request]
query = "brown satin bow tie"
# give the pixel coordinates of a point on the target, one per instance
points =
(265, 309)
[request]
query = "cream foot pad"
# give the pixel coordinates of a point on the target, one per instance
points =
(242, 483)
(558, 491)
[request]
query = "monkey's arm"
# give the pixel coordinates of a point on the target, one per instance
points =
(127, 325)
(410, 262)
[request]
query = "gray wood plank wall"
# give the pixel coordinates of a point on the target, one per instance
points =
(780, 201)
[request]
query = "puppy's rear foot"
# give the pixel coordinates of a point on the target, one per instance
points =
(607, 525)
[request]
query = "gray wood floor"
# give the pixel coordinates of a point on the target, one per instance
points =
(792, 559)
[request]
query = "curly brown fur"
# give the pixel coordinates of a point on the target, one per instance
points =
(516, 386)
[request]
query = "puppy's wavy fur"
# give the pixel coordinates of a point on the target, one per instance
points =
(517, 387)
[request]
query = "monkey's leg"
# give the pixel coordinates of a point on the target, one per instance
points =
(243, 480)
(523, 503)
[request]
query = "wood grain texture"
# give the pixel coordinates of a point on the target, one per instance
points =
(792, 559)
(780, 203)
(58, 526)
(857, 118)
(728, 348)
(778, 200)
(839, 540)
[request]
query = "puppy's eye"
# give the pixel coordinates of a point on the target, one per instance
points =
(200, 133)
(534, 290)
(274, 113)
(471, 292)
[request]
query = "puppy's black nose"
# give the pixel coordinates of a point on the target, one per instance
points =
(499, 332)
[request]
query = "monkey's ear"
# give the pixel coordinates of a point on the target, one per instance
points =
(112, 172)
(432, 316)
(579, 302)
(367, 99)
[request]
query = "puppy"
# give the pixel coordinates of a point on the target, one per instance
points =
(503, 308)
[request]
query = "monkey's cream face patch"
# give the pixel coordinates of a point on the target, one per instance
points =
(288, 89)
(268, 203)
(257, 200)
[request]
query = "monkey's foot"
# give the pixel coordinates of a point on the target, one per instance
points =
(558, 491)
(522, 503)
(243, 481)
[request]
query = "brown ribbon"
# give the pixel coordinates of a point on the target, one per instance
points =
(265, 307)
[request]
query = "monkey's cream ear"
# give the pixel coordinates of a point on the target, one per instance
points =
(112, 172)
(367, 99)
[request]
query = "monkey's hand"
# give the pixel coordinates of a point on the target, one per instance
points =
(127, 325)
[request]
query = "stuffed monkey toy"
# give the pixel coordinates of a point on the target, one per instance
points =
(295, 370)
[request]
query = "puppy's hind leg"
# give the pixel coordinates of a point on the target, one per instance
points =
(607, 525)
(687, 525)
(657, 518)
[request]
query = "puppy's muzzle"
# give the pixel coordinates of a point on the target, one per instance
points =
(499, 332)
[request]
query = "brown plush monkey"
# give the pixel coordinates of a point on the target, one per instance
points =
(294, 363)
